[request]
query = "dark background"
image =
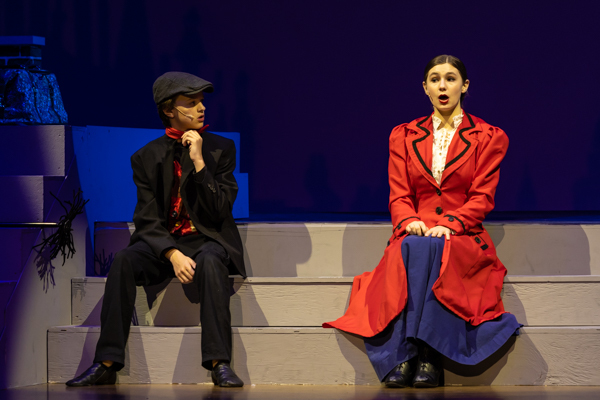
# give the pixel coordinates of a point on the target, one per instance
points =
(315, 87)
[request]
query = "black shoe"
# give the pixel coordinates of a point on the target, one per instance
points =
(402, 374)
(429, 368)
(223, 376)
(97, 374)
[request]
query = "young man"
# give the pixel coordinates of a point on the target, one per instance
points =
(183, 228)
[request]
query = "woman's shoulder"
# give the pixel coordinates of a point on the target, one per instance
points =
(401, 131)
(484, 126)
(489, 132)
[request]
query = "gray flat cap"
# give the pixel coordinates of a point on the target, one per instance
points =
(173, 83)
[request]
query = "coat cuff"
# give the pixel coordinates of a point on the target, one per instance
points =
(200, 175)
(163, 254)
(453, 222)
(406, 221)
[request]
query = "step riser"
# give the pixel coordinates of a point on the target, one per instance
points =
(49, 150)
(339, 249)
(7, 288)
(16, 247)
(27, 198)
(310, 304)
(529, 249)
(540, 356)
(312, 250)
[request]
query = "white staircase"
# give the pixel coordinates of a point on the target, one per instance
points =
(301, 276)
(34, 162)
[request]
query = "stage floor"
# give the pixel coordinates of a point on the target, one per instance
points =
(299, 392)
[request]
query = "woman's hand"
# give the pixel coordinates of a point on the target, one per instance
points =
(416, 228)
(439, 231)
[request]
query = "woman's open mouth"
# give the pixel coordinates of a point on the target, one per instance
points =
(443, 98)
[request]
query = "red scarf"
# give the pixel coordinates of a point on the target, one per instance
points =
(177, 134)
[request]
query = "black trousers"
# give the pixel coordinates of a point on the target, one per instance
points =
(138, 266)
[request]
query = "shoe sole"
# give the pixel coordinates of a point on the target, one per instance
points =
(424, 385)
(394, 385)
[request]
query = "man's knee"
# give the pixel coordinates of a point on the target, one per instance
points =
(212, 260)
(122, 263)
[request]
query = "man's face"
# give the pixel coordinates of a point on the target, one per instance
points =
(188, 112)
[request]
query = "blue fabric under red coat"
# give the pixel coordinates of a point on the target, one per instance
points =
(471, 275)
(424, 319)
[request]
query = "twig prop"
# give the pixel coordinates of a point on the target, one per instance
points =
(61, 241)
(104, 262)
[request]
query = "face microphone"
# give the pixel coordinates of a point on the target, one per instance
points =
(184, 114)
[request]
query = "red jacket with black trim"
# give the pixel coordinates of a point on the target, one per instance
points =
(471, 275)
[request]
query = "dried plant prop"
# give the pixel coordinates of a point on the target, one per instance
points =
(45, 269)
(61, 241)
(104, 263)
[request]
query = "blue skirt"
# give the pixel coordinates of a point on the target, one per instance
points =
(425, 319)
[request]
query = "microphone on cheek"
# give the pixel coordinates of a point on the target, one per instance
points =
(184, 114)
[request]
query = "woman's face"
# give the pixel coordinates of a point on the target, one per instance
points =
(444, 86)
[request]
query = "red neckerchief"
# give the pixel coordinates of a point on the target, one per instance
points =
(177, 134)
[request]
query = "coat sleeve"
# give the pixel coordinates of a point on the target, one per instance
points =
(149, 222)
(402, 193)
(480, 197)
(217, 192)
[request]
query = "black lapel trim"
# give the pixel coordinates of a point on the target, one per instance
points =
(418, 140)
(167, 170)
(460, 133)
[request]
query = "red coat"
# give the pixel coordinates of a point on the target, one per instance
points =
(471, 275)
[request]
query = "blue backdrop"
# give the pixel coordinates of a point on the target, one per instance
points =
(315, 87)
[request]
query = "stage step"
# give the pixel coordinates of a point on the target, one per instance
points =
(7, 288)
(16, 245)
(259, 302)
(49, 150)
(26, 198)
(539, 356)
(348, 249)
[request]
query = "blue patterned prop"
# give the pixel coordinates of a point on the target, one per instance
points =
(30, 97)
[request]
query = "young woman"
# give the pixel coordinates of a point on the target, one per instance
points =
(437, 288)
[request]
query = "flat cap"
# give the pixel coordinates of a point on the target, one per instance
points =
(173, 83)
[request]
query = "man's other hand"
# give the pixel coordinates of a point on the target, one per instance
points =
(183, 266)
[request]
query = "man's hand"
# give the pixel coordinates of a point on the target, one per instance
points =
(193, 141)
(183, 266)
(439, 231)
(416, 228)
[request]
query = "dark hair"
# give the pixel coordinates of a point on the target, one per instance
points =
(168, 105)
(448, 59)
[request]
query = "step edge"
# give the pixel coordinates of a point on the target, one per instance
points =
(514, 279)
(587, 329)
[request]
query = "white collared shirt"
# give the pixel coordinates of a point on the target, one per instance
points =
(441, 142)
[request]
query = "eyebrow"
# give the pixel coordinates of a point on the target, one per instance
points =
(438, 73)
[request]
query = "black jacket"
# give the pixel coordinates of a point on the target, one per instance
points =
(208, 195)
